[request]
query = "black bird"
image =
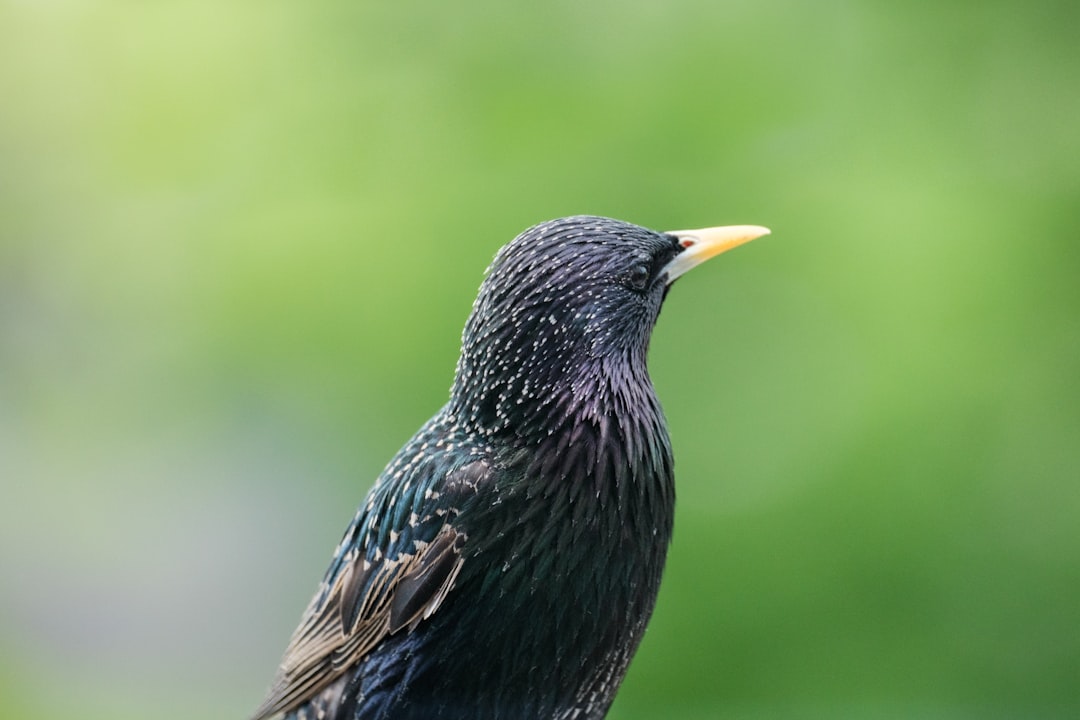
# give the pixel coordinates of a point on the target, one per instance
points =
(507, 560)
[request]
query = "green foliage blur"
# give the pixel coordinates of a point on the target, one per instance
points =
(238, 242)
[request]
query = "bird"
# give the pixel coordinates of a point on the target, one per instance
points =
(507, 560)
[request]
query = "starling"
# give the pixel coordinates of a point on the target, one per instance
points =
(508, 558)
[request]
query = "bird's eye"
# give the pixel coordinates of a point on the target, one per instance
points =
(639, 277)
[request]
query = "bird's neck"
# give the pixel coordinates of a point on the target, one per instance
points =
(532, 400)
(598, 430)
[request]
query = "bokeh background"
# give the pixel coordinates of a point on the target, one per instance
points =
(238, 242)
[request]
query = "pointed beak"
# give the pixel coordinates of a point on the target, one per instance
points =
(706, 243)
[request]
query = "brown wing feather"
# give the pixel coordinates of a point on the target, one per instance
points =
(339, 632)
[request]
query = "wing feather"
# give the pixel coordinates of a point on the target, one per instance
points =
(373, 592)
(357, 615)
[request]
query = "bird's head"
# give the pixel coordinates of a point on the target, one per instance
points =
(570, 304)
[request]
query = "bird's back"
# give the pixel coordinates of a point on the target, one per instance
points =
(560, 566)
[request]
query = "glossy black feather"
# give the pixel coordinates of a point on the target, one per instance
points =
(506, 562)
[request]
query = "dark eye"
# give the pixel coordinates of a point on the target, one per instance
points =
(639, 277)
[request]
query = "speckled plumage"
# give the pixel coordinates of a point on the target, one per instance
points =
(507, 560)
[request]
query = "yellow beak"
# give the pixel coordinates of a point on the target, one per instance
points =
(706, 243)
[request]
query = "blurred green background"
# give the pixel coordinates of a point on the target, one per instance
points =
(238, 242)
